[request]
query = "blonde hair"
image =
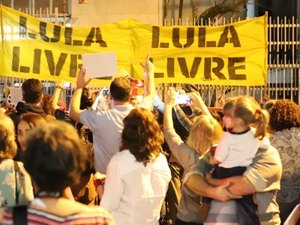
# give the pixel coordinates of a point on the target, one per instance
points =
(249, 111)
(8, 146)
(205, 132)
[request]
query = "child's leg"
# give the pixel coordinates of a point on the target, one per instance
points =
(221, 172)
(247, 211)
(246, 208)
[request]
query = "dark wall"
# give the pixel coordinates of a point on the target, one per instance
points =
(280, 8)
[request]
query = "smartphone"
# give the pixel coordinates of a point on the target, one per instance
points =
(182, 99)
(67, 84)
(105, 91)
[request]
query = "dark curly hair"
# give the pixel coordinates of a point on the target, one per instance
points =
(54, 157)
(284, 114)
(142, 135)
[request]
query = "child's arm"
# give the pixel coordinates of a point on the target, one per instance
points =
(215, 182)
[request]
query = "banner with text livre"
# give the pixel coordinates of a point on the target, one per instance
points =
(231, 54)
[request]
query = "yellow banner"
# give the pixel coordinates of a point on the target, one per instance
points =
(233, 54)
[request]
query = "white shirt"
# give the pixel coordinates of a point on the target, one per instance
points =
(107, 127)
(134, 193)
(239, 149)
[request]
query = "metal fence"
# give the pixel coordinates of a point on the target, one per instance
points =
(283, 66)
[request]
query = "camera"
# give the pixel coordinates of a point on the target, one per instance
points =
(67, 85)
(105, 91)
(182, 99)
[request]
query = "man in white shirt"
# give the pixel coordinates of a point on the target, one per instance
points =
(107, 126)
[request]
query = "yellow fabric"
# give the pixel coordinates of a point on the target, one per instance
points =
(235, 54)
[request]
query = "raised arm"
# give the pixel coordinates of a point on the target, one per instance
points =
(182, 118)
(57, 91)
(170, 97)
(75, 102)
(198, 102)
(149, 84)
(186, 156)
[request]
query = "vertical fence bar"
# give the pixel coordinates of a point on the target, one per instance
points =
(270, 66)
(56, 15)
(291, 63)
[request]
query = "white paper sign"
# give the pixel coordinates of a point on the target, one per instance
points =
(100, 64)
(15, 95)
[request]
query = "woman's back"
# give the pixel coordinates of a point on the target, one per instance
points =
(285, 136)
(288, 146)
(134, 193)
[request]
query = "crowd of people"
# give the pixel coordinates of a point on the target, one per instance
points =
(122, 161)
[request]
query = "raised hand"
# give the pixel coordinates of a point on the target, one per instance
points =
(147, 66)
(170, 97)
(82, 81)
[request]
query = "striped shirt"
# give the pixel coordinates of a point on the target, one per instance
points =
(96, 215)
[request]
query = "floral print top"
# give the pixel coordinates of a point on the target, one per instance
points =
(8, 184)
(287, 143)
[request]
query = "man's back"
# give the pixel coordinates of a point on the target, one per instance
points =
(106, 127)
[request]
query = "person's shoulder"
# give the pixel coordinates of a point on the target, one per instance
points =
(122, 108)
(20, 164)
(88, 116)
(162, 156)
(160, 160)
(268, 155)
(295, 130)
(161, 164)
(270, 150)
(122, 156)
(6, 164)
(21, 167)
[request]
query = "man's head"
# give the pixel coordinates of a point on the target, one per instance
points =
(120, 89)
(32, 91)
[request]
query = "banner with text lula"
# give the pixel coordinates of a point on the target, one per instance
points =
(232, 54)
